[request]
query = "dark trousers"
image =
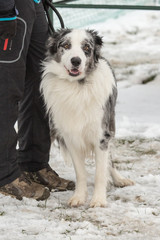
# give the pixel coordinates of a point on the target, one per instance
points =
(20, 76)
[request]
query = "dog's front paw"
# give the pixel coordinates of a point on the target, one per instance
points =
(98, 202)
(77, 200)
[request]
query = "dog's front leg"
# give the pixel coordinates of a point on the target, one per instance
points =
(80, 193)
(101, 179)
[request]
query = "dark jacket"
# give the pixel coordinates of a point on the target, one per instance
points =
(7, 9)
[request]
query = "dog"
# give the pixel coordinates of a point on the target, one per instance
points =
(79, 90)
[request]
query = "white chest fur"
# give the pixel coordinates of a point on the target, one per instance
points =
(77, 109)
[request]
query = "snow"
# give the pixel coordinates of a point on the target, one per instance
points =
(138, 110)
(131, 43)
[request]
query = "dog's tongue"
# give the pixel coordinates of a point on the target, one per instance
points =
(74, 72)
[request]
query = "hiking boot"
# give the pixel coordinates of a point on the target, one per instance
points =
(49, 178)
(24, 187)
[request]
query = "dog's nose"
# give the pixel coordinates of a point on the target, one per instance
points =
(76, 61)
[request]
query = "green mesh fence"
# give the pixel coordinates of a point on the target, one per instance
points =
(80, 17)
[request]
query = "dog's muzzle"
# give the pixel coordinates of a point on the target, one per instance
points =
(76, 61)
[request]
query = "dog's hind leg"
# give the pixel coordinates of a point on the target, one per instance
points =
(80, 193)
(101, 178)
(119, 180)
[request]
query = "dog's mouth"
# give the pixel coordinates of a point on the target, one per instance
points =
(74, 72)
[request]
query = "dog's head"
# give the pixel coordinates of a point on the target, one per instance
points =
(77, 51)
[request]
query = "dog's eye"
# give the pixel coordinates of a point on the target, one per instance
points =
(66, 46)
(86, 48)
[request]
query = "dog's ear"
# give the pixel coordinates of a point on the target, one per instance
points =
(98, 40)
(98, 44)
(51, 44)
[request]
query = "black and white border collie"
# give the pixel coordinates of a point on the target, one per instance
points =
(79, 90)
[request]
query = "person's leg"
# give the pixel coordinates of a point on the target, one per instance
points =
(10, 92)
(12, 76)
(33, 129)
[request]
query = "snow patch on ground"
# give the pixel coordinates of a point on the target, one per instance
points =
(132, 212)
(138, 109)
